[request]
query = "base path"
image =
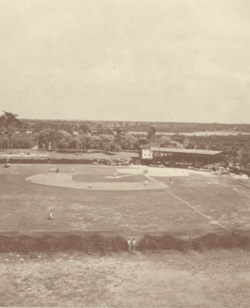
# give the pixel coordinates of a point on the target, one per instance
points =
(154, 171)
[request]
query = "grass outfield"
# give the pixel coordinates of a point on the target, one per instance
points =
(25, 206)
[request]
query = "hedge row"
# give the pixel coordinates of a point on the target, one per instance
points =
(103, 245)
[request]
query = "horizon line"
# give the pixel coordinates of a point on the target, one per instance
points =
(131, 121)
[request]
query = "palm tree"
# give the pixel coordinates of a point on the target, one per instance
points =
(9, 124)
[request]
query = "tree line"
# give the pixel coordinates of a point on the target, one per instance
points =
(81, 138)
(17, 134)
(105, 126)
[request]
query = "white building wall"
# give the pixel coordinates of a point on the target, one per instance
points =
(147, 154)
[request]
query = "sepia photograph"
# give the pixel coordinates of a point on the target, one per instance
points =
(125, 153)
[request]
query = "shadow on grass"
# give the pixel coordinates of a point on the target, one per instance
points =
(96, 243)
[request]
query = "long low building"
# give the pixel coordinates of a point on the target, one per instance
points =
(149, 152)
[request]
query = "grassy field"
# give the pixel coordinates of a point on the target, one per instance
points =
(25, 205)
(171, 279)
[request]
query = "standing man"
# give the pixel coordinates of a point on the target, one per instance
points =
(133, 243)
(129, 245)
(50, 216)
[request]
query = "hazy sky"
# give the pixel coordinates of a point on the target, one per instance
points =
(150, 60)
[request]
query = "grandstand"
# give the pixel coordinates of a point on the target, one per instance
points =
(150, 153)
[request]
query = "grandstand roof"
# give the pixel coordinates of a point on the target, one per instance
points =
(185, 151)
(150, 145)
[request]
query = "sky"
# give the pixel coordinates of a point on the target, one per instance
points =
(126, 60)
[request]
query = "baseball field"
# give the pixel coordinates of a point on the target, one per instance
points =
(108, 205)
